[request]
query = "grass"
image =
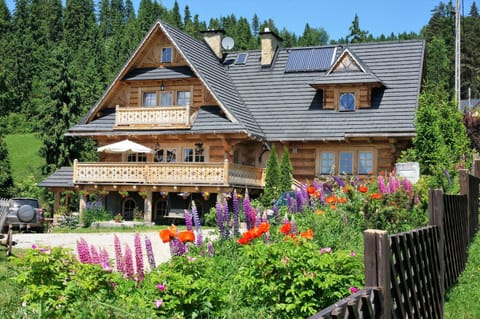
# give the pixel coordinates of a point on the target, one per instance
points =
(462, 299)
(23, 153)
(10, 301)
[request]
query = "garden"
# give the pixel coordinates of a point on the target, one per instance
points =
(261, 262)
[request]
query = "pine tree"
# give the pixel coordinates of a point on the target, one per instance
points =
(286, 176)
(313, 36)
(356, 34)
(6, 180)
(272, 179)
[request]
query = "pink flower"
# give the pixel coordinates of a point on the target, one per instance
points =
(158, 303)
(161, 287)
(326, 250)
(352, 253)
(34, 246)
(354, 290)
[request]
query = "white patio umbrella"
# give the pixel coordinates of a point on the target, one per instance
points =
(125, 146)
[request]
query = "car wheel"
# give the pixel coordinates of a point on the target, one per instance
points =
(26, 213)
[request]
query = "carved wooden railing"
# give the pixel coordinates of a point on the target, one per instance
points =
(219, 174)
(152, 117)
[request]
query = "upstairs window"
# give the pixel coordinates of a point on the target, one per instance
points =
(183, 98)
(136, 157)
(166, 55)
(149, 99)
(347, 102)
(166, 99)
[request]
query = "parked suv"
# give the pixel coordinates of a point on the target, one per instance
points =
(25, 213)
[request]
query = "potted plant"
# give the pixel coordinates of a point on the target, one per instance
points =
(118, 218)
(143, 194)
(123, 194)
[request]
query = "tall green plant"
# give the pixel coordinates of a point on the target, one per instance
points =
(6, 179)
(272, 179)
(286, 169)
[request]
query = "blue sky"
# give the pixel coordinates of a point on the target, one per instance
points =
(376, 16)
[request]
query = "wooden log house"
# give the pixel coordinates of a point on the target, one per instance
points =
(209, 118)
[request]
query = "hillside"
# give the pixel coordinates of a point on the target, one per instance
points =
(23, 153)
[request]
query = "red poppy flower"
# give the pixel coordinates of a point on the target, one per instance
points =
(330, 199)
(166, 235)
(285, 229)
(362, 189)
(264, 227)
(341, 200)
(311, 190)
(186, 236)
(307, 234)
(243, 241)
(376, 196)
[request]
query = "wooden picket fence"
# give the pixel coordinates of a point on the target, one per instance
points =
(407, 274)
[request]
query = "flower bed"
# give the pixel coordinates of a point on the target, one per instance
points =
(306, 256)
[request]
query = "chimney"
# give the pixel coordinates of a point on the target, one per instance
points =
(270, 42)
(214, 41)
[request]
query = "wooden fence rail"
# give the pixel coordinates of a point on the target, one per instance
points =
(407, 274)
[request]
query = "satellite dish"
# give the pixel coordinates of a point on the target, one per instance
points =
(227, 43)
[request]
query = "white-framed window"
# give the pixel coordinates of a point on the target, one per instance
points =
(345, 163)
(194, 154)
(166, 55)
(183, 98)
(346, 102)
(166, 99)
(165, 155)
(136, 157)
(365, 163)
(327, 163)
(149, 99)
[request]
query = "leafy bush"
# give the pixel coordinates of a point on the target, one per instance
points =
(95, 212)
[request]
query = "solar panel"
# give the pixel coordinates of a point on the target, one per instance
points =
(310, 59)
(241, 58)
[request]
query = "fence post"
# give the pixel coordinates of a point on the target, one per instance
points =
(476, 168)
(377, 266)
(436, 211)
(465, 190)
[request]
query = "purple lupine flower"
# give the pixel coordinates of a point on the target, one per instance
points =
(258, 218)
(94, 255)
(292, 204)
(247, 211)
(118, 255)
(392, 185)
(139, 257)
(103, 255)
(188, 220)
(339, 181)
(381, 185)
(276, 216)
(198, 227)
(177, 248)
(106, 267)
(129, 272)
(285, 219)
(83, 251)
(293, 226)
(301, 196)
(236, 221)
(226, 220)
(149, 249)
(327, 188)
(210, 249)
(266, 237)
(219, 208)
(407, 186)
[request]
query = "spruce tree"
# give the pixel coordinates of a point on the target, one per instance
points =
(272, 179)
(6, 180)
(286, 176)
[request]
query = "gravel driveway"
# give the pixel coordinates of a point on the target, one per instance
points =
(100, 240)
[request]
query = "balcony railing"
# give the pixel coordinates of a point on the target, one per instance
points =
(152, 117)
(209, 174)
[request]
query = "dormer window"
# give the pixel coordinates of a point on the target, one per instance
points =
(347, 102)
(166, 55)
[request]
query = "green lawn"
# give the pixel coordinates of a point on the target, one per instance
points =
(23, 152)
(462, 299)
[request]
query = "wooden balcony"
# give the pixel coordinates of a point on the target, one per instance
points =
(197, 174)
(152, 117)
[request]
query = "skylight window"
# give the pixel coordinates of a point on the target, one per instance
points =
(241, 58)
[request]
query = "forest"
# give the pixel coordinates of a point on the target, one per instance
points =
(56, 60)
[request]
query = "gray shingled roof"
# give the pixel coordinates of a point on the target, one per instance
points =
(346, 78)
(63, 177)
(284, 103)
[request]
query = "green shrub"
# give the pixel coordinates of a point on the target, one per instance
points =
(95, 212)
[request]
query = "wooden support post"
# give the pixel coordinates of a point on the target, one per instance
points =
(147, 204)
(436, 211)
(81, 207)
(377, 266)
(476, 168)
